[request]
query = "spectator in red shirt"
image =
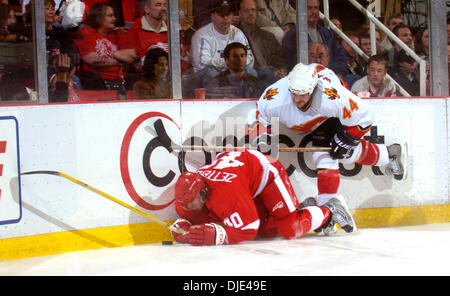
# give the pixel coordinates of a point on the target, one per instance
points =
(151, 31)
(105, 50)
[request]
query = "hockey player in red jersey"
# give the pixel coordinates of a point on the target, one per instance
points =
(242, 194)
(311, 99)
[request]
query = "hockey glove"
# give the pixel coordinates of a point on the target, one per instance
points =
(207, 234)
(181, 224)
(343, 144)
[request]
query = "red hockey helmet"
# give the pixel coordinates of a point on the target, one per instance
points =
(189, 186)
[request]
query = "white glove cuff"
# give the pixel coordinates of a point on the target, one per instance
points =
(221, 235)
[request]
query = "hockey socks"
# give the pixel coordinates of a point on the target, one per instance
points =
(373, 154)
(327, 184)
(302, 221)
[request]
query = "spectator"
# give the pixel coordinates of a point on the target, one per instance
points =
(8, 19)
(355, 66)
(151, 31)
(209, 41)
(204, 8)
(207, 47)
(318, 53)
(403, 32)
(276, 16)
(365, 45)
(393, 21)
(155, 82)
(104, 50)
(365, 30)
(186, 18)
(421, 43)
(375, 83)
(49, 13)
(405, 74)
(316, 33)
(59, 40)
(337, 22)
(378, 41)
(235, 82)
(61, 86)
(125, 11)
(270, 61)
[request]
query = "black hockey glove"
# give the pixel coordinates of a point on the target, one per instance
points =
(343, 144)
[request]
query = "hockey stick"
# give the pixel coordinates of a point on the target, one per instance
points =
(167, 142)
(110, 197)
(231, 148)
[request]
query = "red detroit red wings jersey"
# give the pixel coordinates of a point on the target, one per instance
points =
(235, 179)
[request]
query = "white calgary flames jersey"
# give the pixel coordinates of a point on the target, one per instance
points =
(329, 99)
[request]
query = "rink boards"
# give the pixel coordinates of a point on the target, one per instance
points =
(116, 148)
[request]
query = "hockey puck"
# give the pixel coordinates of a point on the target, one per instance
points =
(166, 243)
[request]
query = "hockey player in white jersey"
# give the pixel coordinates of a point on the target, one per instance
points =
(311, 99)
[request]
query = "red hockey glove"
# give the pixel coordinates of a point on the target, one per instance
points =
(181, 224)
(207, 234)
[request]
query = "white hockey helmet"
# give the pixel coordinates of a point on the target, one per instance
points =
(302, 79)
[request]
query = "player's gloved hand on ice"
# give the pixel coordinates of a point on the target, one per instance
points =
(181, 224)
(207, 234)
(343, 144)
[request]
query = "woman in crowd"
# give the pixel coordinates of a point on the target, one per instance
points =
(421, 43)
(104, 50)
(155, 82)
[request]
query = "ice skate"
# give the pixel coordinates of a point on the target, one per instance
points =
(308, 202)
(340, 214)
(312, 202)
(397, 159)
(329, 230)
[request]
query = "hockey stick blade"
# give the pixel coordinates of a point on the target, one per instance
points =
(110, 197)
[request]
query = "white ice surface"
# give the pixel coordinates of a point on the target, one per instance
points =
(408, 250)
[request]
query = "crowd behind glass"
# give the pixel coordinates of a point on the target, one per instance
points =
(228, 49)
